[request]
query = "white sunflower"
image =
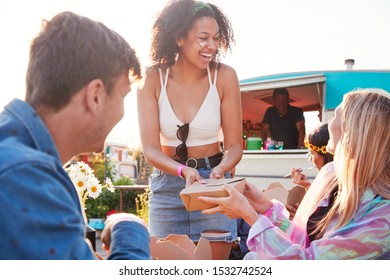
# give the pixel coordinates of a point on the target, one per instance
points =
(109, 185)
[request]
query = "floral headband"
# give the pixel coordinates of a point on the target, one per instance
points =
(312, 147)
(199, 5)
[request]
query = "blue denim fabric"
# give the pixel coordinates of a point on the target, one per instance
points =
(242, 232)
(135, 246)
(41, 216)
(167, 214)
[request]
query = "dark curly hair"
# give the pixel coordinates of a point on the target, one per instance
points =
(319, 137)
(174, 22)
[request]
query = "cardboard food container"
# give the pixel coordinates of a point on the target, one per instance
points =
(212, 188)
(287, 197)
(295, 195)
(179, 247)
(277, 191)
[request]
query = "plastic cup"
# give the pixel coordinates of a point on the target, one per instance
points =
(270, 145)
(278, 145)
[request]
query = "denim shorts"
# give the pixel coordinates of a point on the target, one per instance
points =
(167, 214)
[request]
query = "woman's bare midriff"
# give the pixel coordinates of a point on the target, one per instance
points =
(194, 152)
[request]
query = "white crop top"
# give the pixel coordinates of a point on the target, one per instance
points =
(204, 129)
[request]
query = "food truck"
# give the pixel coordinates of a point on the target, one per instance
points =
(317, 93)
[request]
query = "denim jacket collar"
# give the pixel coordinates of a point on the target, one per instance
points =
(37, 131)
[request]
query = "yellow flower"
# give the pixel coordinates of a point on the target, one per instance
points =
(312, 147)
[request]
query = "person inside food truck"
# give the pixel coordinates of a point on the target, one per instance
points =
(283, 122)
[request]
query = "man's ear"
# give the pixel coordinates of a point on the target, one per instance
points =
(95, 95)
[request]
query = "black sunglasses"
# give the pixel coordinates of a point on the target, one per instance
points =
(182, 135)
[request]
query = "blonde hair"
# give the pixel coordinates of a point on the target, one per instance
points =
(362, 157)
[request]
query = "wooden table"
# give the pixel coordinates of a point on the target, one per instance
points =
(122, 188)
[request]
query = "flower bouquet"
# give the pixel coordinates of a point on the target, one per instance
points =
(85, 181)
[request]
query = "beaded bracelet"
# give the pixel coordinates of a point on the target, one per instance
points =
(179, 170)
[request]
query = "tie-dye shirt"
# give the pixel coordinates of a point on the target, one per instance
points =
(366, 236)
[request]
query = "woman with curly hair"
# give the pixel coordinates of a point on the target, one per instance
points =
(188, 105)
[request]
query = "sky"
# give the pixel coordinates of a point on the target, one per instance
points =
(277, 36)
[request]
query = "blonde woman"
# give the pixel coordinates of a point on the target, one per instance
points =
(346, 212)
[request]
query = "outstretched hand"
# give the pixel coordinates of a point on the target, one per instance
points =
(256, 198)
(235, 205)
(192, 175)
(112, 220)
(216, 173)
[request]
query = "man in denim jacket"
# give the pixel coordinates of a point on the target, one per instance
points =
(77, 78)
